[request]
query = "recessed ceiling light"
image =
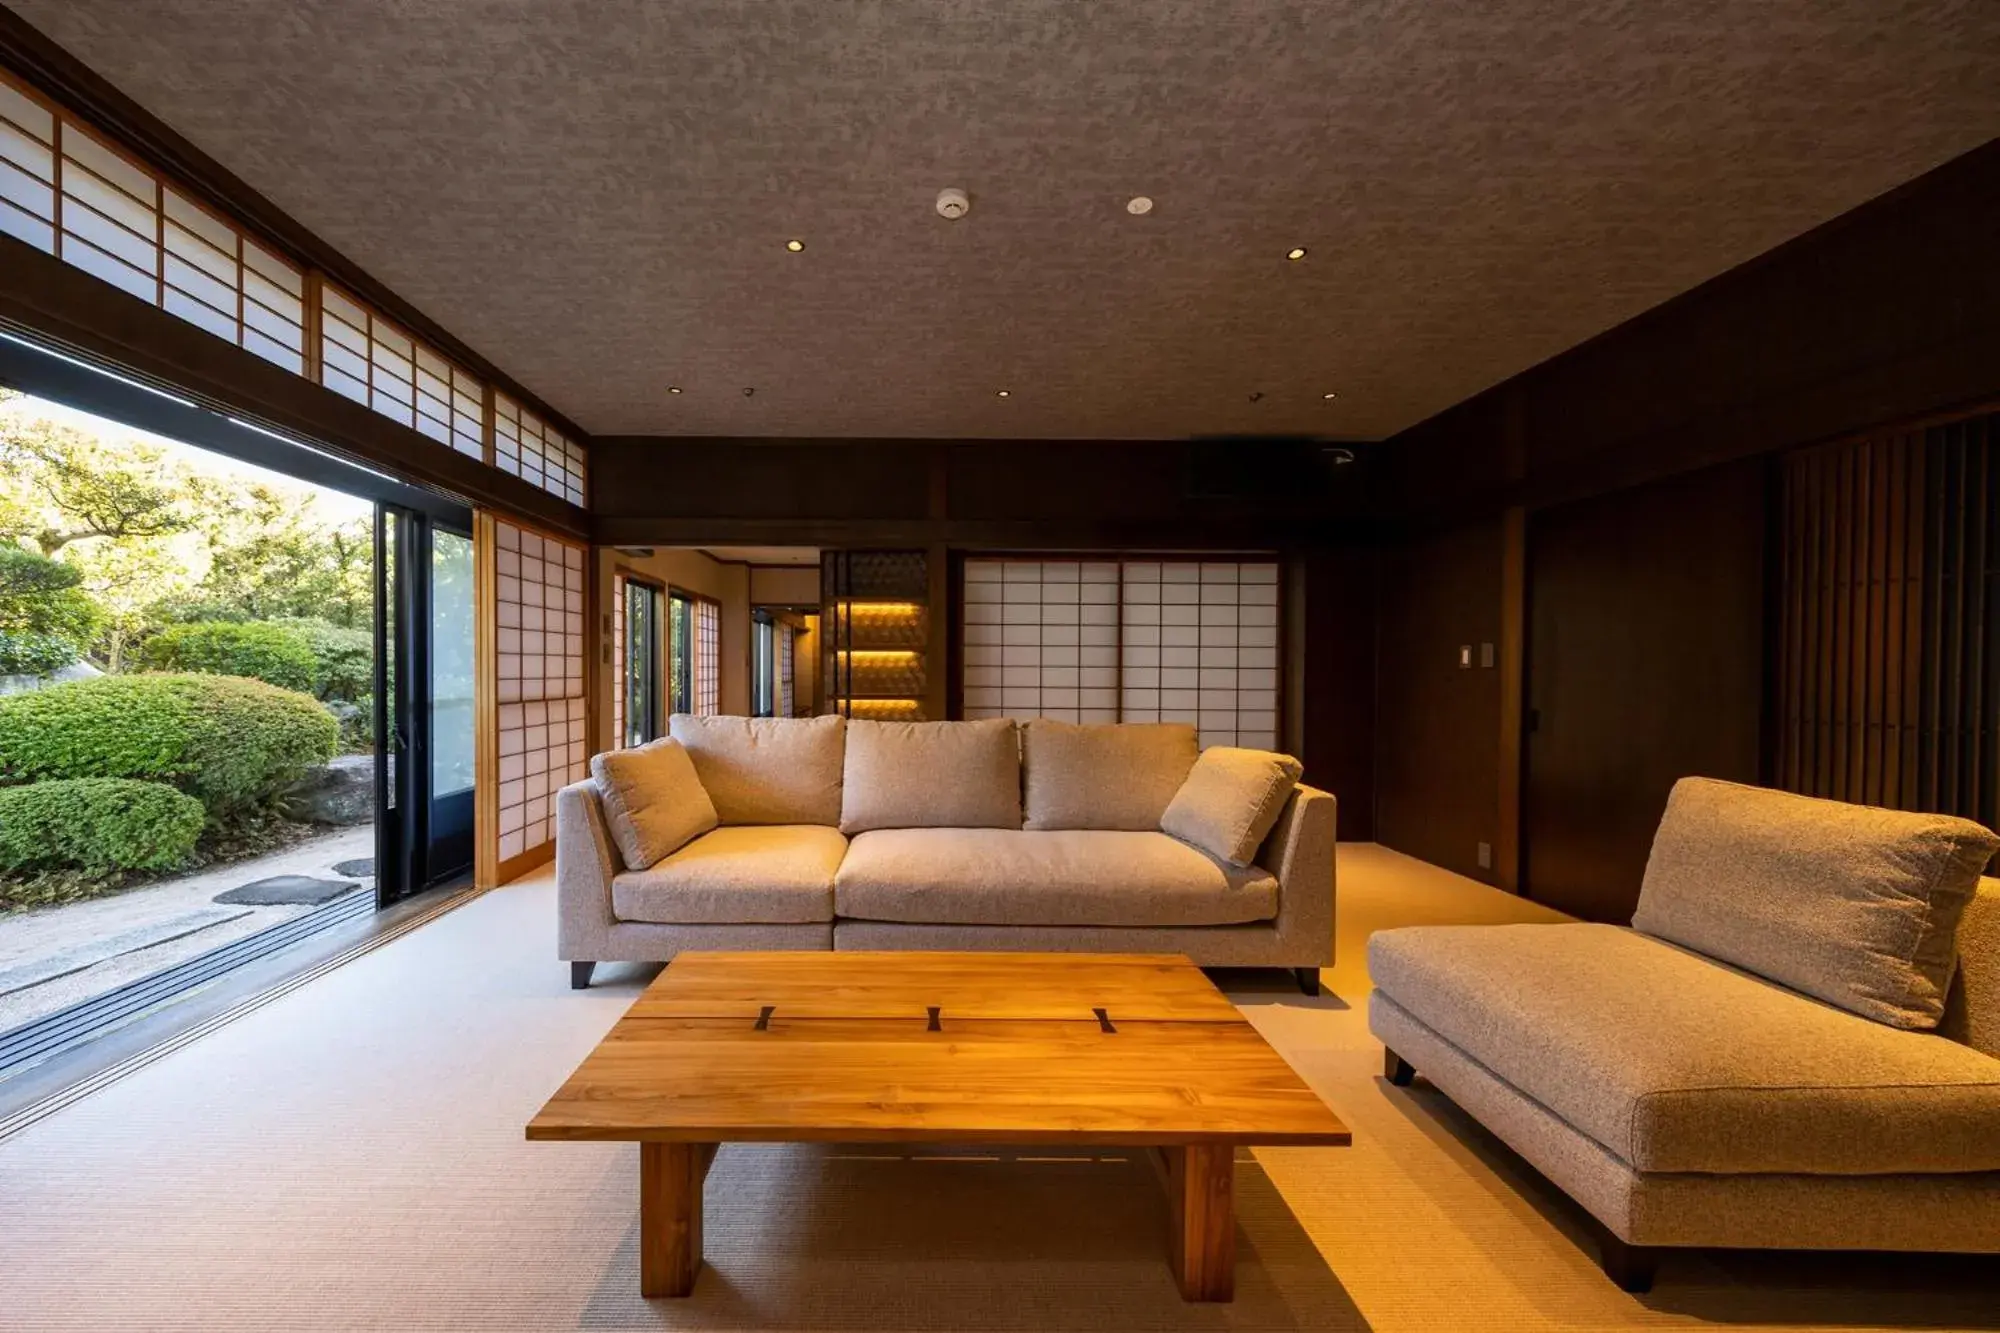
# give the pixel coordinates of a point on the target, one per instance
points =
(749, 393)
(673, 388)
(1003, 394)
(1257, 396)
(796, 246)
(1139, 206)
(1329, 396)
(1296, 253)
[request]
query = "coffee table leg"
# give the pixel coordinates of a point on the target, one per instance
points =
(1201, 1184)
(670, 1180)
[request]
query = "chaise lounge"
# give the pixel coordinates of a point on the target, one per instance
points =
(1795, 1046)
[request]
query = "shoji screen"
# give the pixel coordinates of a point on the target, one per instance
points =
(1041, 639)
(707, 657)
(787, 691)
(538, 685)
(620, 681)
(1201, 646)
(1133, 640)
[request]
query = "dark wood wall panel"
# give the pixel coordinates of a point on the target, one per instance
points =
(1437, 772)
(1645, 638)
(1885, 665)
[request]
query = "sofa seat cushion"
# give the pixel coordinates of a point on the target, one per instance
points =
(767, 873)
(1675, 1063)
(1014, 877)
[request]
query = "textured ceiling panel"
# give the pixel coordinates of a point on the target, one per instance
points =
(596, 194)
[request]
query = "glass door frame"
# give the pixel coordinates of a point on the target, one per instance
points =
(411, 848)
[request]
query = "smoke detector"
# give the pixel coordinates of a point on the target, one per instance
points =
(953, 203)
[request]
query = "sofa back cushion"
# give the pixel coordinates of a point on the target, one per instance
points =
(932, 775)
(767, 770)
(653, 802)
(1112, 776)
(1852, 905)
(1231, 800)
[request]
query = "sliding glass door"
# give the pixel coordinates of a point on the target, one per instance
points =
(423, 701)
(645, 712)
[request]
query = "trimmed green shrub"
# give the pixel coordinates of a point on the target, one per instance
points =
(274, 654)
(97, 825)
(46, 620)
(225, 740)
(343, 658)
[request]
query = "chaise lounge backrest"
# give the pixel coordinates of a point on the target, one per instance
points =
(1972, 1013)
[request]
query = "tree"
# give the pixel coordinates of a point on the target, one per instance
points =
(271, 558)
(46, 620)
(68, 487)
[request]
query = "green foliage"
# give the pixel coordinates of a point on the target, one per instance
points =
(70, 487)
(273, 558)
(46, 620)
(343, 658)
(225, 740)
(275, 654)
(97, 825)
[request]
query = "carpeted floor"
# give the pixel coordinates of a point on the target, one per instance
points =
(351, 1157)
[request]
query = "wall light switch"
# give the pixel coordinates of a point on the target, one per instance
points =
(1465, 657)
(1486, 656)
(1485, 856)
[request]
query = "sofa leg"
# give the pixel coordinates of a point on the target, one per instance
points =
(1308, 979)
(579, 975)
(1396, 1069)
(1630, 1267)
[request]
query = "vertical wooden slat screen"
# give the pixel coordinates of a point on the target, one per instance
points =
(1887, 679)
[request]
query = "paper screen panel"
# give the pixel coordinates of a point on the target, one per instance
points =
(1201, 646)
(525, 446)
(538, 659)
(1041, 639)
(27, 169)
(620, 678)
(708, 658)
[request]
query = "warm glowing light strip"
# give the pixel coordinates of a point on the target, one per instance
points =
(877, 652)
(907, 608)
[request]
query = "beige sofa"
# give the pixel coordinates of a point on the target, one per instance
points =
(974, 835)
(1829, 1083)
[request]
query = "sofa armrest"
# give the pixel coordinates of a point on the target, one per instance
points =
(585, 862)
(1300, 852)
(1972, 1010)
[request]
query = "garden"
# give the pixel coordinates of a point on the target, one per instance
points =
(184, 650)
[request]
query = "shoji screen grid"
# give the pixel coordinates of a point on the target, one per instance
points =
(1041, 639)
(787, 645)
(1134, 640)
(620, 679)
(525, 446)
(69, 193)
(708, 658)
(538, 600)
(1201, 645)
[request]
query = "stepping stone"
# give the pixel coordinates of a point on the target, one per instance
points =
(364, 866)
(287, 891)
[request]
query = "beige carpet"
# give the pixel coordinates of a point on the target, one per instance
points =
(351, 1157)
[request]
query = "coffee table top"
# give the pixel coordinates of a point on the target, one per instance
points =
(936, 1047)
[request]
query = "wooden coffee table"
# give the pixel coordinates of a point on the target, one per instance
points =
(963, 1048)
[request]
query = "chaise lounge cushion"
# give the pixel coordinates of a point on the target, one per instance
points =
(768, 873)
(1011, 877)
(932, 775)
(1110, 776)
(1857, 906)
(767, 770)
(1676, 1064)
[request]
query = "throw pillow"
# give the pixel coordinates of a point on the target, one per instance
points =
(653, 802)
(1231, 800)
